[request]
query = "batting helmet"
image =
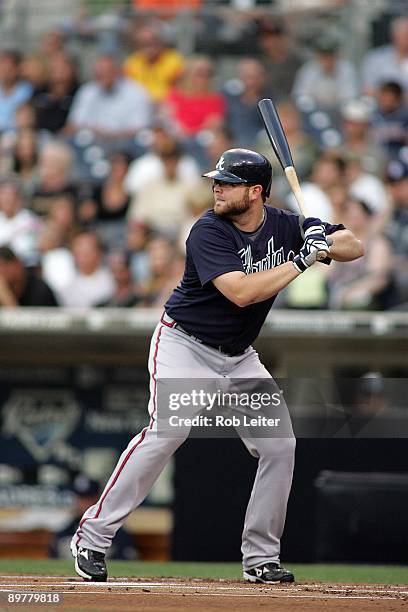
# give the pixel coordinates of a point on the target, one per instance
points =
(243, 166)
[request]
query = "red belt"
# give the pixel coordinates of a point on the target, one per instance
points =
(169, 322)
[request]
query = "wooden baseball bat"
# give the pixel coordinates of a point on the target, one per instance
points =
(281, 149)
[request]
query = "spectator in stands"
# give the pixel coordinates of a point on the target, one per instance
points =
(389, 125)
(13, 90)
(52, 43)
(194, 105)
(365, 186)
(397, 229)
(57, 261)
(24, 160)
(86, 493)
(106, 209)
(54, 176)
(242, 94)
(58, 231)
(20, 286)
(166, 268)
(389, 62)
(124, 295)
(24, 121)
(199, 199)
(357, 138)
(34, 70)
(307, 292)
(53, 102)
(326, 79)
(150, 167)
(218, 140)
(137, 237)
(166, 9)
(153, 63)
(366, 284)
(113, 108)
(279, 56)
(93, 281)
(328, 175)
(62, 215)
(163, 204)
(25, 117)
(369, 414)
(19, 227)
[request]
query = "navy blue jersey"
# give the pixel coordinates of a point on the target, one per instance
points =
(214, 247)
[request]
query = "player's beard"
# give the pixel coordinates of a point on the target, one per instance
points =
(235, 208)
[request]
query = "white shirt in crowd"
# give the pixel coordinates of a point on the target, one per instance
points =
(21, 233)
(329, 91)
(163, 206)
(88, 290)
(126, 107)
(149, 168)
(318, 204)
(58, 268)
(371, 190)
(383, 64)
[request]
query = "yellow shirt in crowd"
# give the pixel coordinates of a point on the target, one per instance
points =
(157, 77)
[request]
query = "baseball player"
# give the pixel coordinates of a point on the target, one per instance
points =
(239, 255)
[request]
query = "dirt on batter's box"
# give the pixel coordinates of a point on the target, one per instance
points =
(200, 595)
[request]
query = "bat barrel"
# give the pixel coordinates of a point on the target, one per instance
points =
(275, 132)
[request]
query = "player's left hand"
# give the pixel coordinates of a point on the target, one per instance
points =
(308, 254)
(311, 227)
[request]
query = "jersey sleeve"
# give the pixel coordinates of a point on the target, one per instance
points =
(330, 229)
(213, 252)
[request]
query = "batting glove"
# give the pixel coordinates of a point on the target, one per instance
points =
(311, 226)
(309, 252)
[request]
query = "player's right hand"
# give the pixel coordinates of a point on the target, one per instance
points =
(309, 251)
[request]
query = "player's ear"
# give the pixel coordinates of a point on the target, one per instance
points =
(256, 190)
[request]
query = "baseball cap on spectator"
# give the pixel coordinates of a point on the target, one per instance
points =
(396, 171)
(358, 111)
(371, 383)
(84, 486)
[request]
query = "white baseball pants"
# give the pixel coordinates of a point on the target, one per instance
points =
(173, 354)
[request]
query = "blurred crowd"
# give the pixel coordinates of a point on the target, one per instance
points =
(100, 176)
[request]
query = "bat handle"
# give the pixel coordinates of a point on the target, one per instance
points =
(297, 192)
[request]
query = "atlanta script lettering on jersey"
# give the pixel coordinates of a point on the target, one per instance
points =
(214, 247)
(271, 260)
